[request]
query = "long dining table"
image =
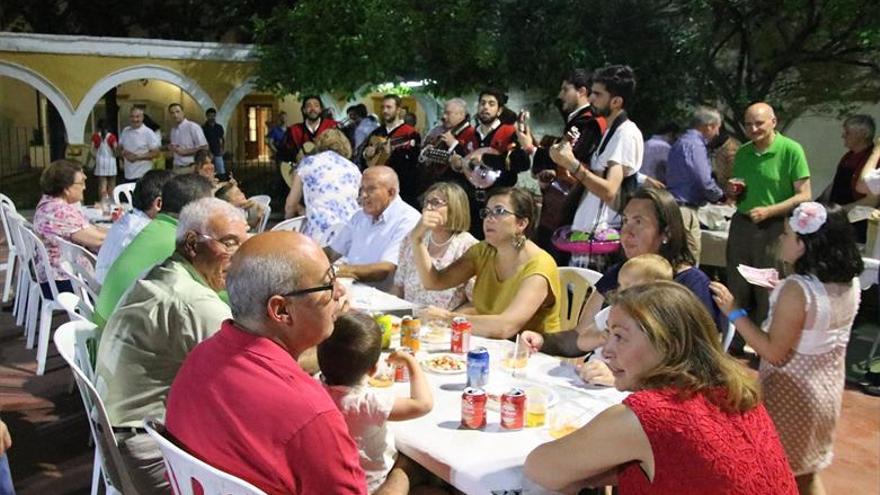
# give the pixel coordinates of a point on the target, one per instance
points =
(488, 460)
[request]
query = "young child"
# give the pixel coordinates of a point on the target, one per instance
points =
(802, 343)
(642, 269)
(347, 359)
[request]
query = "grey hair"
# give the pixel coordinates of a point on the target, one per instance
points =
(253, 279)
(705, 116)
(196, 215)
(458, 102)
(865, 123)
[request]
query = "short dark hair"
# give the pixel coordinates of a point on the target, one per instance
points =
(397, 101)
(675, 250)
(523, 204)
(175, 105)
(201, 157)
(183, 189)
(831, 253)
(351, 350)
(500, 96)
(148, 188)
(619, 80)
(58, 176)
(359, 110)
(306, 99)
(211, 110)
(580, 78)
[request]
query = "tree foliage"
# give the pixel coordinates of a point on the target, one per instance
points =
(797, 54)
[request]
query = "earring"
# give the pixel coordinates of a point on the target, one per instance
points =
(519, 241)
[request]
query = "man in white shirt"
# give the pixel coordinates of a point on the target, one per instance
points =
(617, 160)
(138, 145)
(146, 202)
(187, 138)
(370, 242)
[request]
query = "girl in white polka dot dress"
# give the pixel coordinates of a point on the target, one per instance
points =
(802, 344)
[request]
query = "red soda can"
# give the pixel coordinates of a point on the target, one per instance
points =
(473, 408)
(513, 409)
(461, 335)
(117, 214)
(401, 372)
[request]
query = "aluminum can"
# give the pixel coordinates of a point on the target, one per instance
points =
(513, 409)
(410, 332)
(478, 367)
(473, 408)
(401, 372)
(461, 335)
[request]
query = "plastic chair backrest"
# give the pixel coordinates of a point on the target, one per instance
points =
(291, 224)
(71, 340)
(7, 206)
(74, 306)
(79, 264)
(576, 285)
(123, 191)
(184, 469)
(39, 257)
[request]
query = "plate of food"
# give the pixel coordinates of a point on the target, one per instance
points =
(382, 379)
(436, 332)
(445, 364)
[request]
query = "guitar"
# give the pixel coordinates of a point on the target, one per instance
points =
(477, 172)
(287, 168)
(436, 153)
(384, 147)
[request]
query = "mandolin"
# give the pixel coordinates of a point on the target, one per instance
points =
(436, 154)
(385, 146)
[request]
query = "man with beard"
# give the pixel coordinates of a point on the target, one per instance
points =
(313, 124)
(396, 144)
(611, 171)
(493, 145)
(562, 192)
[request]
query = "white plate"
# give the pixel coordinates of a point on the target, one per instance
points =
(428, 365)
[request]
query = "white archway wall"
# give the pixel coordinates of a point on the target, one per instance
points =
(41, 84)
(148, 72)
(224, 113)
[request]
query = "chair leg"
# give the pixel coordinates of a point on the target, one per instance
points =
(45, 330)
(21, 296)
(35, 298)
(10, 270)
(96, 473)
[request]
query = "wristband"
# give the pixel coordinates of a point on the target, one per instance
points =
(736, 314)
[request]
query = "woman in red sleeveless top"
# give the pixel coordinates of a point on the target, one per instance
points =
(694, 423)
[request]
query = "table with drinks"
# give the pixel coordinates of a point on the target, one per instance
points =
(493, 403)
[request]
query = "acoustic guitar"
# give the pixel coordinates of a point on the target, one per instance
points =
(287, 168)
(384, 146)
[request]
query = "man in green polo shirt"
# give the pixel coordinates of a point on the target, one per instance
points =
(777, 178)
(152, 245)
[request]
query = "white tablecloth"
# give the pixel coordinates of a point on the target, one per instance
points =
(480, 461)
(366, 298)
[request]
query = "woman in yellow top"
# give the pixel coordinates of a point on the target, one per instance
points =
(517, 285)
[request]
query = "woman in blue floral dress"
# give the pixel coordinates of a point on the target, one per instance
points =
(328, 182)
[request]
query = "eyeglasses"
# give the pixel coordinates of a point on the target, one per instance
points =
(495, 212)
(331, 286)
(231, 244)
(80, 183)
(434, 203)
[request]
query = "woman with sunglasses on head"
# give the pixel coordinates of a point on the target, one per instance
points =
(802, 343)
(517, 283)
(445, 204)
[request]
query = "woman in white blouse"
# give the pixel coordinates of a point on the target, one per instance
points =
(444, 204)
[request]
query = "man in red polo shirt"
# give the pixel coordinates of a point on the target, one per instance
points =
(242, 403)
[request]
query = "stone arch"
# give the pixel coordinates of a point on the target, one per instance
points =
(44, 86)
(224, 113)
(133, 73)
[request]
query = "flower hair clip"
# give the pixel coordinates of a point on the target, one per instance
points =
(808, 217)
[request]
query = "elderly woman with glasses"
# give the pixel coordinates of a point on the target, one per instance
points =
(517, 283)
(59, 214)
(445, 205)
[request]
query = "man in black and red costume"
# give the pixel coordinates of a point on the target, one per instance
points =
(494, 145)
(314, 123)
(561, 192)
(396, 144)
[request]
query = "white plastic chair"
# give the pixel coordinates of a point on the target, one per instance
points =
(728, 336)
(37, 304)
(123, 191)
(291, 224)
(74, 306)
(576, 284)
(72, 341)
(6, 204)
(78, 263)
(183, 469)
(16, 222)
(265, 200)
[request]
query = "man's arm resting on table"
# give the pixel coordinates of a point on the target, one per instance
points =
(562, 344)
(371, 272)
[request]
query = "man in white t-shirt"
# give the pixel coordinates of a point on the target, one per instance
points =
(187, 138)
(618, 157)
(138, 145)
